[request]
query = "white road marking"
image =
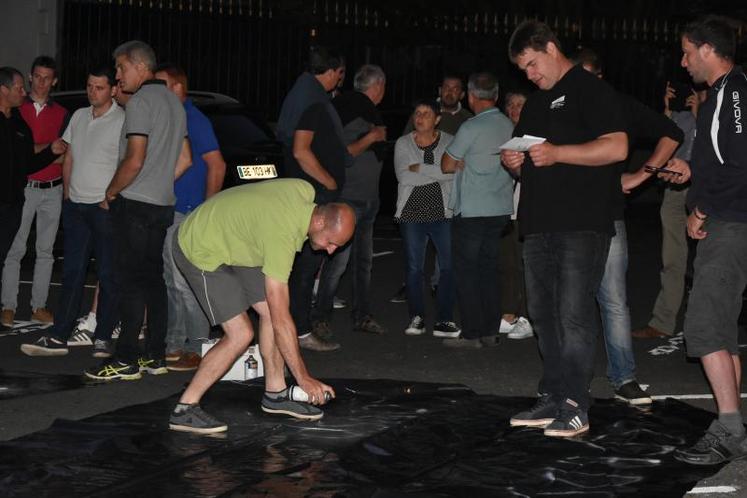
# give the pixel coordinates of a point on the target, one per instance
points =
(689, 396)
(712, 489)
(382, 253)
(55, 284)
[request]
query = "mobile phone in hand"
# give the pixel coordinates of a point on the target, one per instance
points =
(652, 169)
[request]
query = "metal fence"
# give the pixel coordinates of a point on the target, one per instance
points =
(254, 49)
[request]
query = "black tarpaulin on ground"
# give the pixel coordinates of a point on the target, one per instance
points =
(379, 438)
(19, 384)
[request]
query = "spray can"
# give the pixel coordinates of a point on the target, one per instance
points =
(297, 394)
(251, 367)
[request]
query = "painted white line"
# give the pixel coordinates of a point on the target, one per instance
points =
(55, 284)
(382, 253)
(712, 489)
(689, 396)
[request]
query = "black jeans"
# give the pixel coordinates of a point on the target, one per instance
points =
(301, 286)
(475, 242)
(563, 271)
(139, 233)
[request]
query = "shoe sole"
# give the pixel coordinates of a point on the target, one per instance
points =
(7, 324)
(540, 422)
(136, 376)
(101, 354)
(195, 430)
(181, 369)
(398, 301)
(155, 371)
(33, 350)
(635, 401)
(414, 331)
(447, 335)
(565, 432)
(292, 414)
(521, 336)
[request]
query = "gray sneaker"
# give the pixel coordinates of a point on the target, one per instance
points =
(295, 409)
(102, 348)
(191, 418)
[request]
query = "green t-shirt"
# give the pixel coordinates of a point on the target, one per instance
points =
(256, 225)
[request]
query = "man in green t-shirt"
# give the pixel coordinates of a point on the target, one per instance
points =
(236, 251)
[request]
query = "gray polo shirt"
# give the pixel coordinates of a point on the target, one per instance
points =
(156, 113)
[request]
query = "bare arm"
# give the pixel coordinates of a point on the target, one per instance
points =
(284, 329)
(665, 147)
(377, 134)
(449, 164)
(216, 172)
(307, 160)
(606, 149)
(67, 171)
(184, 161)
(130, 166)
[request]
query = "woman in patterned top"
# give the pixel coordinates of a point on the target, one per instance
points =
(422, 213)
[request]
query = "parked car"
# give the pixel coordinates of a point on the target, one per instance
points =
(245, 139)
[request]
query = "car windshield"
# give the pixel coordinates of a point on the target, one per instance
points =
(236, 130)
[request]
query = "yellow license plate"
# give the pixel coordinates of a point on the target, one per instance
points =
(257, 171)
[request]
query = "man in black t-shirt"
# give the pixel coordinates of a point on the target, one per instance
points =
(566, 217)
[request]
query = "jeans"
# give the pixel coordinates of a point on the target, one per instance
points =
(87, 229)
(563, 271)
(359, 253)
(46, 205)
(301, 286)
(613, 304)
(415, 238)
(139, 233)
(475, 243)
(188, 325)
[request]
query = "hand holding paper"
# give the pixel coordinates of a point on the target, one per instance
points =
(522, 144)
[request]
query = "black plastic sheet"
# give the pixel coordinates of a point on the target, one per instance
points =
(379, 438)
(19, 384)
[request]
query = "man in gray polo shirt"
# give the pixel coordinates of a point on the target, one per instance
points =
(153, 151)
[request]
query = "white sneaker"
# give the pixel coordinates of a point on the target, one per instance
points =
(416, 327)
(80, 338)
(86, 323)
(521, 329)
(506, 327)
(118, 329)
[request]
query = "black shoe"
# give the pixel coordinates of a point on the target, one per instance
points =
(717, 445)
(191, 418)
(45, 346)
(540, 415)
(631, 393)
(114, 370)
(570, 421)
(446, 329)
(153, 367)
(400, 296)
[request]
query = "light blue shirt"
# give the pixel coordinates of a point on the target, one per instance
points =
(483, 187)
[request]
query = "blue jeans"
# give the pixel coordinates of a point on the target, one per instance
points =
(563, 271)
(359, 253)
(475, 246)
(188, 325)
(87, 228)
(613, 304)
(415, 238)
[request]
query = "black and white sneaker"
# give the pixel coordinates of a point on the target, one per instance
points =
(717, 445)
(570, 421)
(286, 406)
(153, 367)
(113, 370)
(446, 329)
(631, 393)
(80, 338)
(540, 415)
(45, 346)
(192, 418)
(416, 326)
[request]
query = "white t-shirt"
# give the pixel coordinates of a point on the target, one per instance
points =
(95, 147)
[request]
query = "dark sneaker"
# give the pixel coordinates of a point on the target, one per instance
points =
(462, 343)
(416, 326)
(114, 370)
(540, 415)
(369, 326)
(631, 393)
(45, 346)
(400, 296)
(322, 330)
(153, 367)
(338, 303)
(191, 418)
(717, 445)
(570, 421)
(314, 343)
(102, 348)
(446, 329)
(295, 409)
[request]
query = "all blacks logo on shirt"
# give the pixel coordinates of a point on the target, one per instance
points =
(558, 103)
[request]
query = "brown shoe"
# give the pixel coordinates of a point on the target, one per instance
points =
(7, 317)
(369, 325)
(649, 332)
(314, 343)
(173, 355)
(188, 362)
(322, 330)
(42, 315)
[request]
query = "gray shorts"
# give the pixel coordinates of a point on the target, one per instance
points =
(716, 297)
(224, 293)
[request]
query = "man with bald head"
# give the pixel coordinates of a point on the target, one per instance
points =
(236, 250)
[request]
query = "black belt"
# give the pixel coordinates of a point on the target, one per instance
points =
(38, 184)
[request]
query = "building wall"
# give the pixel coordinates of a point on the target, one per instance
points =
(27, 28)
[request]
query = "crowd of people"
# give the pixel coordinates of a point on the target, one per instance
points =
(530, 240)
